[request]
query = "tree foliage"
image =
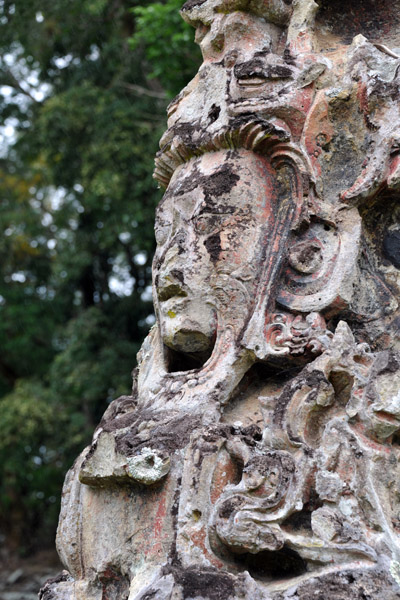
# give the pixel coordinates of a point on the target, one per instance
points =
(83, 89)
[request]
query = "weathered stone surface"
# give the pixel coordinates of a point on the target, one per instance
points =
(258, 456)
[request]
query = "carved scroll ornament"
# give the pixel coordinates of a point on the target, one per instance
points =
(258, 456)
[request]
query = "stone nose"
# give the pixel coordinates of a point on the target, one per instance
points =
(169, 266)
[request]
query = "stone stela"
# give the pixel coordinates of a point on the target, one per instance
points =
(258, 455)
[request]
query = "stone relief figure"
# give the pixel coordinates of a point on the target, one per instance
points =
(258, 455)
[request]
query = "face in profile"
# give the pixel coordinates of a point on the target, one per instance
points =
(211, 228)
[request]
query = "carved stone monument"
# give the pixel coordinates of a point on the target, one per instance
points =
(258, 456)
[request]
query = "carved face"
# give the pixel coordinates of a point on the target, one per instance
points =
(210, 228)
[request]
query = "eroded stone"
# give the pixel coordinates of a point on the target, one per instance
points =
(258, 456)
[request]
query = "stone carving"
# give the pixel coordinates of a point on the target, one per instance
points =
(258, 455)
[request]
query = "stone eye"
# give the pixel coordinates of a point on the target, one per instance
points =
(204, 223)
(162, 233)
(208, 222)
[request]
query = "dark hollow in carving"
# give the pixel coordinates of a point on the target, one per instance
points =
(180, 361)
(371, 18)
(269, 566)
(391, 247)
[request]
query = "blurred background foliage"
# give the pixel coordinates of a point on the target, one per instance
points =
(84, 85)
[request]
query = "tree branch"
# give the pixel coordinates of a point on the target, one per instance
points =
(141, 91)
(13, 82)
